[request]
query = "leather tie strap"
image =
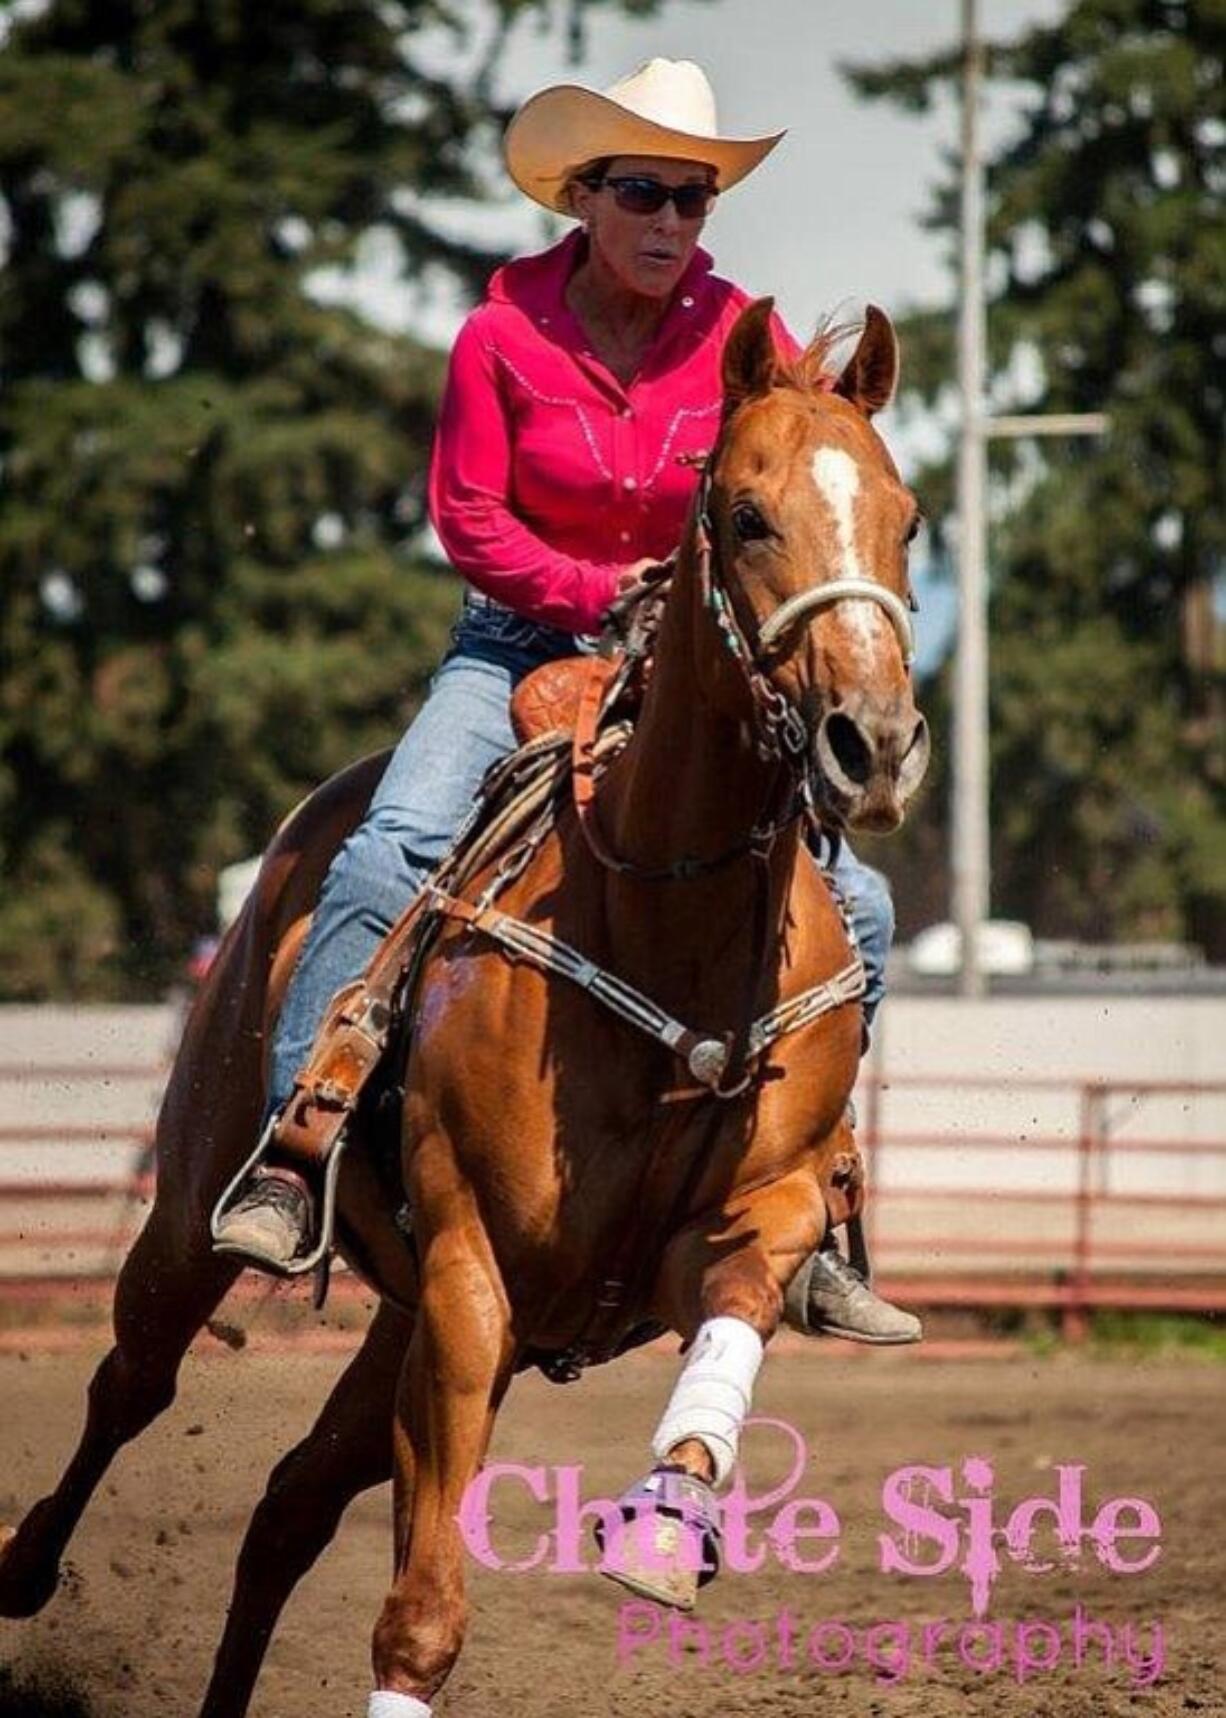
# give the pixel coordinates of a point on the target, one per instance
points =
(583, 769)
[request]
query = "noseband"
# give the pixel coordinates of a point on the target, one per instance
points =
(822, 596)
(782, 731)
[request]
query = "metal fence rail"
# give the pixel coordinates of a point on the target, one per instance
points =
(1086, 1194)
(1113, 1219)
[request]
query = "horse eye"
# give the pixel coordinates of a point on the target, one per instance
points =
(748, 523)
(913, 529)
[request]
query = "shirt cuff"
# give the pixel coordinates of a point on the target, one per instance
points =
(598, 590)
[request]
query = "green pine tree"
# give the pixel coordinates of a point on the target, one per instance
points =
(1108, 286)
(213, 484)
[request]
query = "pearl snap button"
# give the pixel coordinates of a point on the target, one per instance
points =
(629, 483)
(625, 536)
(688, 302)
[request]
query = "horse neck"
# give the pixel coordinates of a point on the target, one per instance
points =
(691, 783)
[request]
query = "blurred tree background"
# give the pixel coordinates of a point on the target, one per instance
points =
(1107, 288)
(212, 586)
(211, 590)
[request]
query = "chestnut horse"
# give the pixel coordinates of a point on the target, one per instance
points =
(538, 1148)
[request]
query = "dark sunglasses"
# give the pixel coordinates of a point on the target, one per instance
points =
(641, 196)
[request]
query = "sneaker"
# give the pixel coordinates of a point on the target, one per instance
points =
(271, 1221)
(829, 1297)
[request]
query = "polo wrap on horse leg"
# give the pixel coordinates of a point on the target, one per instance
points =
(713, 1394)
(385, 1704)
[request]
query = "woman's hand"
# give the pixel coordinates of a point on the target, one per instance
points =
(635, 573)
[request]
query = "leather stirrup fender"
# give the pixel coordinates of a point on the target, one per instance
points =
(347, 1050)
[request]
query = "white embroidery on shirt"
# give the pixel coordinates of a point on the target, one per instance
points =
(670, 436)
(566, 402)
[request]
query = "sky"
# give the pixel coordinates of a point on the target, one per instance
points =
(828, 222)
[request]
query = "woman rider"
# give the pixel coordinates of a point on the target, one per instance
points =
(558, 475)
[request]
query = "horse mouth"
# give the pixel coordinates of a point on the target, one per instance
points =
(876, 813)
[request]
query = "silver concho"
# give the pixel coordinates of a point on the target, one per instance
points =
(708, 1060)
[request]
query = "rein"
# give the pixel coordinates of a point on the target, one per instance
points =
(598, 696)
(721, 1066)
(782, 733)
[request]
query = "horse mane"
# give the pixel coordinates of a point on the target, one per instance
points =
(814, 371)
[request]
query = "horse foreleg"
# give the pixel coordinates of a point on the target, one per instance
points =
(347, 1451)
(737, 1275)
(459, 1364)
(166, 1291)
(723, 1291)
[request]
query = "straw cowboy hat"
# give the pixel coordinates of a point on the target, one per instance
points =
(665, 108)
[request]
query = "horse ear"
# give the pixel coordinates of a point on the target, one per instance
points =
(750, 360)
(872, 370)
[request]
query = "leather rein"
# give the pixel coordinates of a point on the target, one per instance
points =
(719, 1065)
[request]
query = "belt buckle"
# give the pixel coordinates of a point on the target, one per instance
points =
(478, 600)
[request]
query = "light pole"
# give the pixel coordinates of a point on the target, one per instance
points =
(970, 862)
(969, 822)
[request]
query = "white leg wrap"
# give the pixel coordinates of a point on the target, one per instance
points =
(385, 1704)
(713, 1393)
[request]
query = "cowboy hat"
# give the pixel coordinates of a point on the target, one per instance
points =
(666, 107)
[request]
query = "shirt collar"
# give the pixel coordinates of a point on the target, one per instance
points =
(536, 284)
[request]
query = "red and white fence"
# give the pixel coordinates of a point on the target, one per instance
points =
(985, 1192)
(1096, 1193)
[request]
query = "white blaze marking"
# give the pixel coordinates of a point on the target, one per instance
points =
(838, 483)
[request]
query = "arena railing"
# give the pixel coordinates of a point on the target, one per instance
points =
(1120, 1216)
(1089, 1211)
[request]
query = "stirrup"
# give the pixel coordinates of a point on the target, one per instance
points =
(857, 1249)
(320, 1254)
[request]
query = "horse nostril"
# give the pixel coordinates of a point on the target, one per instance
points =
(915, 760)
(852, 751)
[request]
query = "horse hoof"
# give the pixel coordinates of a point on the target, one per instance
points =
(21, 1594)
(649, 1558)
(666, 1545)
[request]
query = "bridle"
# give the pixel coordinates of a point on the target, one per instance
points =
(782, 732)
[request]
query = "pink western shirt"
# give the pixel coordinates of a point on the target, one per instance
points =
(548, 475)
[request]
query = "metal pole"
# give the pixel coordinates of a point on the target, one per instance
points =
(970, 856)
(1018, 424)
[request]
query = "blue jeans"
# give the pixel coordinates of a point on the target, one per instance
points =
(872, 916)
(426, 792)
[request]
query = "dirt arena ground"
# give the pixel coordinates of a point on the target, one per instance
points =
(132, 1629)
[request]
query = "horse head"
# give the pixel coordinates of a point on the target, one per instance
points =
(808, 524)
